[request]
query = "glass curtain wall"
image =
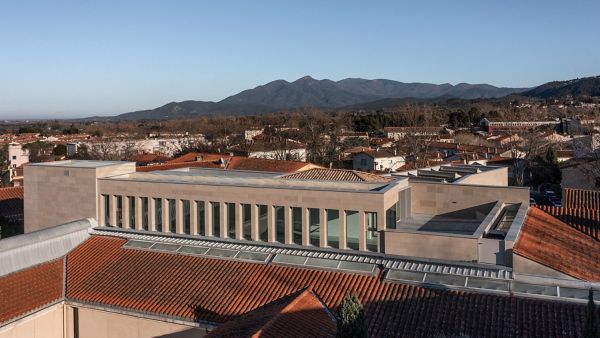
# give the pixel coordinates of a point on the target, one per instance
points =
(131, 201)
(247, 221)
(172, 215)
(297, 225)
(263, 223)
(145, 213)
(201, 218)
(333, 228)
(186, 217)
(279, 223)
(158, 217)
(230, 220)
(119, 210)
(352, 229)
(314, 227)
(216, 218)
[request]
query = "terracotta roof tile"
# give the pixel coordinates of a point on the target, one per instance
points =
(379, 153)
(27, 290)
(11, 193)
(170, 166)
(298, 314)
(262, 164)
(553, 243)
(344, 175)
(586, 221)
(192, 157)
(150, 158)
(579, 198)
(216, 291)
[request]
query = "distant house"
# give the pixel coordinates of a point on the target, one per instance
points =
(353, 135)
(278, 149)
(377, 160)
(250, 134)
(397, 133)
(17, 156)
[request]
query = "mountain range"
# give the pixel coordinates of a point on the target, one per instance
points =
(577, 88)
(309, 92)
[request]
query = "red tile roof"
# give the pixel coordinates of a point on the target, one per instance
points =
(192, 157)
(170, 166)
(262, 164)
(586, 221)
(11, 193)
(550, 242)
(150, 158)
(378, 153)
(216, 291)
(579, 198)
(298, 314)
(237, 163)
(344, 175)
(30, 289)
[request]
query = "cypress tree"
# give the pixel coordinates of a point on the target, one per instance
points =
(590, 327)
(351, 318)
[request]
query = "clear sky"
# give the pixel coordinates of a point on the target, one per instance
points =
(61, 59)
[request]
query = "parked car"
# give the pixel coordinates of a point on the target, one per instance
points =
(532, 202)
(555, 201)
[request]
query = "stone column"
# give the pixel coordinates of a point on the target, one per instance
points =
(362, 231)
(239, 221)
(254, 222)
(208, 226)
(271, 223)
(342, 228)
(151, 214)
(194, 221)
(101, 211)
(323, 227)
(138, 213)
(305, 227)
(224, 220)
(125, 213)
(287, 224)
(179, 216)
(165, 215)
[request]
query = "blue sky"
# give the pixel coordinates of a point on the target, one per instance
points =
(61, 59)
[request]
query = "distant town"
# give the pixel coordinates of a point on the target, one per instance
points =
(221, 225)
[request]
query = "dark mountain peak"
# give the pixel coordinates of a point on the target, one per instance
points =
(307, 91)
(577, 88)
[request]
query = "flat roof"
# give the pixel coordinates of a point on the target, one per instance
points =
(250, 179)
(79, 164)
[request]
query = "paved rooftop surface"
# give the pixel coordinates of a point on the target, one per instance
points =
(247, 179)
(461, 222)
(79, 164)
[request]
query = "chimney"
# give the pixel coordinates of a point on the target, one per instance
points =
(199, 158)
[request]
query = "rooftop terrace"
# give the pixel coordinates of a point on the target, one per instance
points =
(204, 176)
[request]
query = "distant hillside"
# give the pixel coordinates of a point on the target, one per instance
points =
(309, 92)
(577, 88)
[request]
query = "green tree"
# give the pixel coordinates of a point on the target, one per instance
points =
(590, 326)
(351, 318)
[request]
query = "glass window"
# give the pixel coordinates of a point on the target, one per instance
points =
(231, 220)
(314, 227)
(247, 219)
(201, 218)
(263, 223)
(186, 217)
(131, 201)
(371, 235)
(145, 213)
(352, 229)
(333, 228)
(390, 218)
(106, 199)
(172, 215)
(158, 219)
(216, 218)
(119, 210)
(279, 223)
(297, 225)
